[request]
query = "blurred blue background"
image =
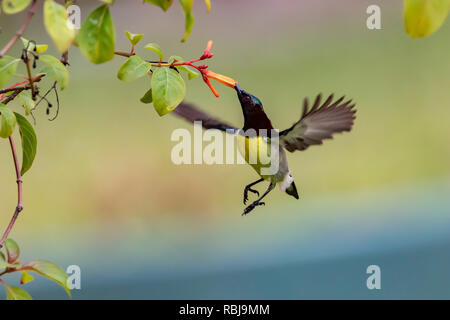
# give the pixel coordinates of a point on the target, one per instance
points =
(103, 193)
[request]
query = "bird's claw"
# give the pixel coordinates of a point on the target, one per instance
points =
(253, 206)
(246, 190)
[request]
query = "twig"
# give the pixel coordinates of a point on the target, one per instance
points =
(44, 96)
(19, 206)
(65, 58)
(11, 97)
(22, 28)
(30, 78)
(15, 89)
(57, 103)
(124, 54)
(2, 95)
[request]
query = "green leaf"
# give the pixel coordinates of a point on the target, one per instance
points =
(208, 5)
(57, 25)
(97, 37)
(27, 102)
(134, 38)
(15, 293)
(168, 90)
(26, 277)
(8, 67)
(186, 5)
(8, 121)
(147, 98)
(192, 73)
(56, 70)
(177, 58)
(4, 264)
(29, 142)
(133, 69)
(40, 48)
(163, 4)
(51, 271)
(424, 17)
(14, 6)
(12, 250)
(68, 3)
(155, 48)
(27, 43)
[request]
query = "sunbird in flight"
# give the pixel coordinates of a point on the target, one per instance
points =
(316, 124)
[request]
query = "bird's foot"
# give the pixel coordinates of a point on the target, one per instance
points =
(253, 206)
(246, 190)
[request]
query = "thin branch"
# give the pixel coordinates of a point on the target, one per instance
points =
(44, 96)
(2, 95)
(124, 54)
(15, 89)
(22, 28)
(30, 78)
(65, 58)
(19, 206)
(11, 97)
(57, 103)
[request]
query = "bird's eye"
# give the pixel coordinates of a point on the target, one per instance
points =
(247, 99)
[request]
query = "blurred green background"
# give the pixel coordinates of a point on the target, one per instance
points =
(103, 193)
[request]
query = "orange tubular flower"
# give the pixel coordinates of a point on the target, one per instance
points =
(214, 91)
(209, 45)
(206, 74)
(207, 53)
(221, 78)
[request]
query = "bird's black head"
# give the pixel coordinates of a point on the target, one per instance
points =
(250, 104)
(252, 108)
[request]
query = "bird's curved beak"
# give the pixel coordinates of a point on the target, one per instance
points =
(239, 91)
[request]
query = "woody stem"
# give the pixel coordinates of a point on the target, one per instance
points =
(19, 206)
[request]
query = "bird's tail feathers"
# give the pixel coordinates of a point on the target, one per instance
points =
(292, 190)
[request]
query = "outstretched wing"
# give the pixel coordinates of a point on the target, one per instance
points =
(318, 123)
(191, 114)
